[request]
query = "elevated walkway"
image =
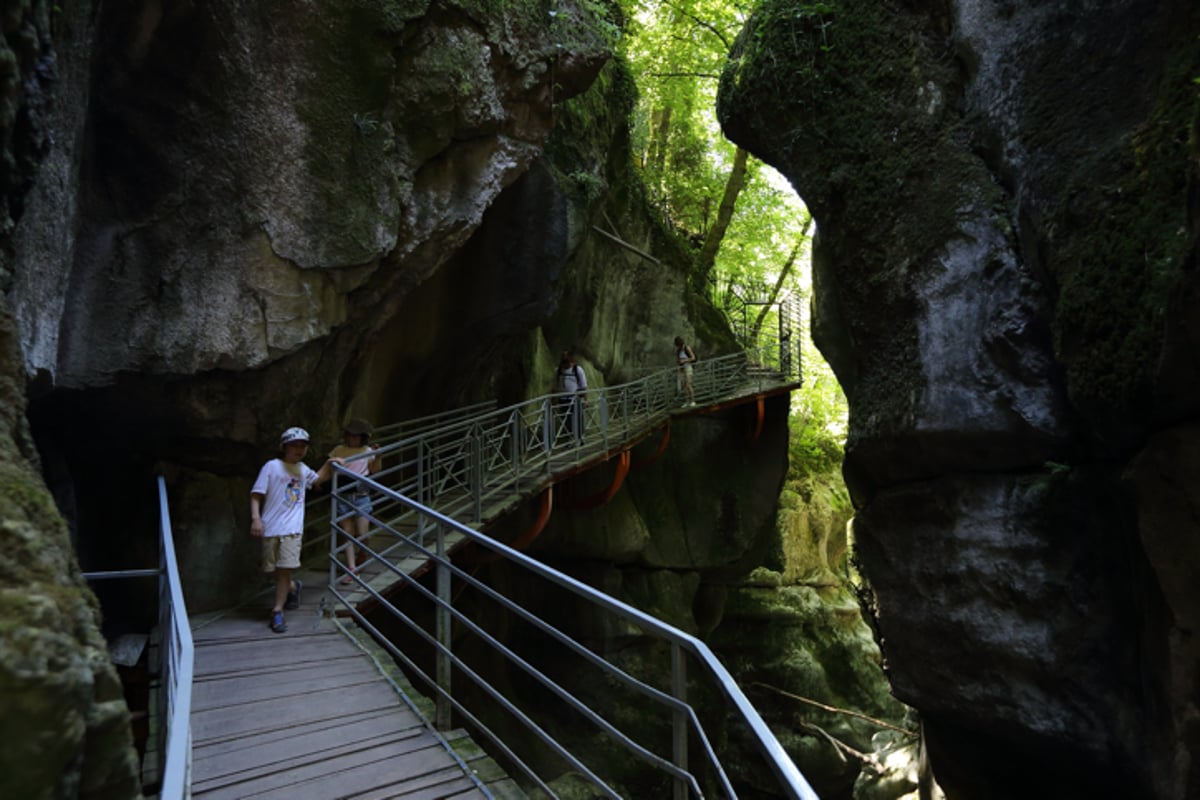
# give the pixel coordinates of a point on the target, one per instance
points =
(316, 714)
(325, 710)
(310, 715)
(480, 465)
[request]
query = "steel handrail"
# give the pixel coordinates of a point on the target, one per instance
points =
(176, 656)
(408, 427)
(178, 653)
(459, 466)
(608, 407)
(790, 780)
(478, 466)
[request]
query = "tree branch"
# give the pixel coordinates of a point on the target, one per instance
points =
(783, 276)
(711, 76)
(708, 26)
(835, 710)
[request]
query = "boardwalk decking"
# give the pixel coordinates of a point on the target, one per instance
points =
(306, 715)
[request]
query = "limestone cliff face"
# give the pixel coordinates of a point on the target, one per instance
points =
(213, 216)
(241, 182)
(63, 717)
(226, 222)
(1006, 287)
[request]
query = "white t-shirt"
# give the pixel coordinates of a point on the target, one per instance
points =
(283, 496)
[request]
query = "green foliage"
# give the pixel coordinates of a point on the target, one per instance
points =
(817, 422)
(589, 184)
(1115, 279)
(365, 123)
(676, 50)
(601, 17)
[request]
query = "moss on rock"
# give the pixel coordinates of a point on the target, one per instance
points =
(1125, 239)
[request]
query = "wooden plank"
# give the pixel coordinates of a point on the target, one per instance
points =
(373, 723)
(271, 715)
(449, 782)
(306, 715)
(127, 649)
(337, 776)
(232, 690)
(270, 655)
(288, 669)
(417, 782)
(292, 753)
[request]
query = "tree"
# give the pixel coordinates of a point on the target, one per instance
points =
(757, 238)
(781, 281)
(712, 243)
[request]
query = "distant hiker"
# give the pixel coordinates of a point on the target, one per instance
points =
(571, 383)
(354, 503)
(277, 517)
(685, 357)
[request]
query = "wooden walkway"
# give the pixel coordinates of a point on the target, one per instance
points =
(307, 715)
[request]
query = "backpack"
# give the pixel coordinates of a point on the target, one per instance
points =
(560, 385)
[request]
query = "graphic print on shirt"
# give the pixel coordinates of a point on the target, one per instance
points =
(293, 494)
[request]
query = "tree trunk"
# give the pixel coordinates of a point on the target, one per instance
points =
(712, 243)
(783, 275)
(659, 130)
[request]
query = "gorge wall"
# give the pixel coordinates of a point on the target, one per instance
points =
(1006, 286)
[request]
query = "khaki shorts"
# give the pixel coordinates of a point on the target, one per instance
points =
(281, 551)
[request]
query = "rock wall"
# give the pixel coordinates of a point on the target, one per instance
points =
(203, 207)
(224, 225)
(63, 716)
(1006, 288)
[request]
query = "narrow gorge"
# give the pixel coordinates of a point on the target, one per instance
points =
(220, 219)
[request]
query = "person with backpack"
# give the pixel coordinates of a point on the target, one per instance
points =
(685, 357)
(571, 384)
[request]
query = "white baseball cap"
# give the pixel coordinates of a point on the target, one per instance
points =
(293, 435)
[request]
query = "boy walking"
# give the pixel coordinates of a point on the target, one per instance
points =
(277, 516)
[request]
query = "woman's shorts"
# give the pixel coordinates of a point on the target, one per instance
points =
(281, 551)
(357, 504)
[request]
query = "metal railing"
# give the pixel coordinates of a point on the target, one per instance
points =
(764, 319)
(385, 434)
(513, 676)
(177, 655)
(172, 704)
(317, 507)
(476, 467)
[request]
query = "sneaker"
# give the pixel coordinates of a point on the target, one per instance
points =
(293, 598)
(277, 622)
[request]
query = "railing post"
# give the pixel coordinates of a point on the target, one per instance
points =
(679, 721)
(476, 467)
(420, 459)
(547, 430)
(626, 422)
(166, 646)
(604, 417)
(333, 529)
(517, 449)
(442, 622)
